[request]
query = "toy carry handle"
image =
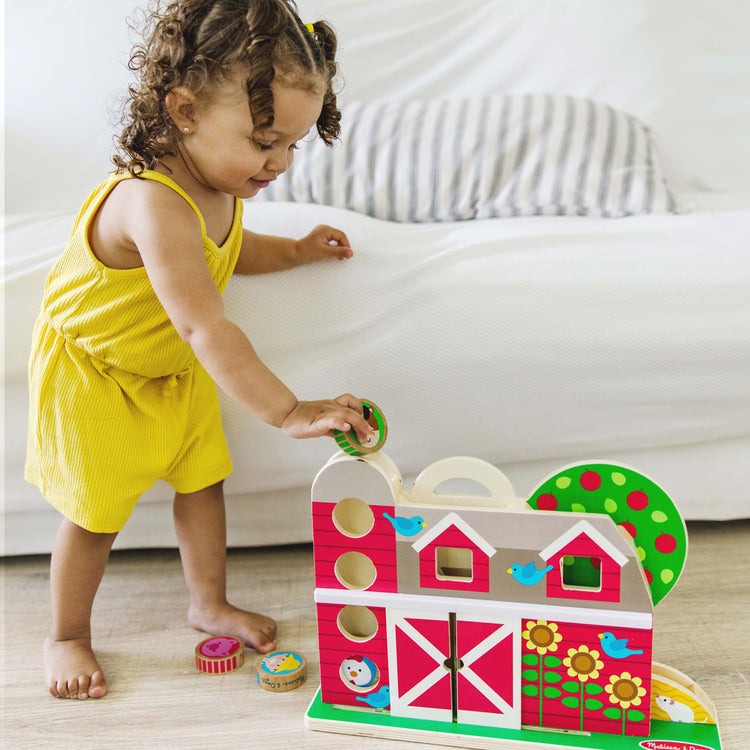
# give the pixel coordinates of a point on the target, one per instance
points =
(501, 490)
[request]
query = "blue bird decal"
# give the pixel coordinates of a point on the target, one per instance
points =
(381, 699)
(406, 526)
(616, 648)
(528, 575)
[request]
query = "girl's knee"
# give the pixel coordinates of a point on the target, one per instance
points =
(215, 490)
(70, 530)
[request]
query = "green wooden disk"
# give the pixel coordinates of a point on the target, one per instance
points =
(635, 503)
(348, 441)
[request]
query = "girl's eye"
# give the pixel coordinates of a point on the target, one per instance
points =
(268, 146)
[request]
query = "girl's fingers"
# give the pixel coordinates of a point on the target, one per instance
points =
(334, 235)
(347, 399)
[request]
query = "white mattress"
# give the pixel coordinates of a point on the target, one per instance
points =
(528, 342)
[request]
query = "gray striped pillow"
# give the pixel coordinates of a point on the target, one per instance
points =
(482, 157)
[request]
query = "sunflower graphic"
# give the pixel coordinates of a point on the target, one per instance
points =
(625, 690)
(541, 636)
(583, 663)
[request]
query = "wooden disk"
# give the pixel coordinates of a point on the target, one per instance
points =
(282, 671)
(219, 655)
(348, 441)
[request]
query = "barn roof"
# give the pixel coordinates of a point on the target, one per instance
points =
(453, 519)
(584, 527)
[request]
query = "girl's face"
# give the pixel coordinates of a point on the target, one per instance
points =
(221, 150)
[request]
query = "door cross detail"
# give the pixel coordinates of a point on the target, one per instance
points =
(452, 668)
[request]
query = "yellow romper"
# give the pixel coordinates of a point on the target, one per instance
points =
(117, 398)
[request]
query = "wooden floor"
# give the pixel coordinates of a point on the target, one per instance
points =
(158, 699)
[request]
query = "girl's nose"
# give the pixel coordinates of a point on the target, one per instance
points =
(279, 163)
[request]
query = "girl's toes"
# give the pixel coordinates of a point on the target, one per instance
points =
(61, 689)
(73, 688)
(83, 687)
(267, 635)
(97, 687)
(266, 645)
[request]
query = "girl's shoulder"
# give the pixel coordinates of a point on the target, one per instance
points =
(135, 206)
(152, 187)
(153, 198)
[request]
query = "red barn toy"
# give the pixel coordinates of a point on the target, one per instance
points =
(447, 617)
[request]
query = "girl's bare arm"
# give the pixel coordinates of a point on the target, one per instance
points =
(167, 234)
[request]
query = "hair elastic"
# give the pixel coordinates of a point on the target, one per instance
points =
(310, 28)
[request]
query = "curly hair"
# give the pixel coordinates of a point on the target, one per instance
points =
(198, 43)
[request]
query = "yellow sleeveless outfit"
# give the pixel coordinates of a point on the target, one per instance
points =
(117, 398)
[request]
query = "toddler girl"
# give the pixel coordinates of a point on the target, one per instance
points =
(132, 336)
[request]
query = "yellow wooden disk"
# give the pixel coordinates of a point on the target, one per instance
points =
(282, 671)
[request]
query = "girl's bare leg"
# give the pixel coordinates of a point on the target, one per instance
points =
(79, 558)
(200, 523)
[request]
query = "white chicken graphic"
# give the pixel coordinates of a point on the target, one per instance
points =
(359, 670)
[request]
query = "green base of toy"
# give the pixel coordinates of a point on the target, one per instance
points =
(665, 735)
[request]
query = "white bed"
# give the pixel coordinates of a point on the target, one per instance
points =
(531, 342)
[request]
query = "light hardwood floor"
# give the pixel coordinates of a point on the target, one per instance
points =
(158, 699)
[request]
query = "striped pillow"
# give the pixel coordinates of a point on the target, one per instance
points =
(482, 157)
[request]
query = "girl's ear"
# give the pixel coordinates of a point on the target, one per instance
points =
(180, 103)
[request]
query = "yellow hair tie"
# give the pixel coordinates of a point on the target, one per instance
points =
(310, 28)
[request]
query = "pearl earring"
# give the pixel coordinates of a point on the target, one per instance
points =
(186, 130)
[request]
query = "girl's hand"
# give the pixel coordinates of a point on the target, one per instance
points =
(322, 243)
(320, 418)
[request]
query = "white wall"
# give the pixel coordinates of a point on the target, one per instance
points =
(682, 66)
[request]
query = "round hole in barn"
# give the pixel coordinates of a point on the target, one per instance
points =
(353, 517)
(355, 570)
(357, 623)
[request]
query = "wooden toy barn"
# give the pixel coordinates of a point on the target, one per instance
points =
(482, 610)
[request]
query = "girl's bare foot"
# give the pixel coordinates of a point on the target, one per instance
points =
(253, 629)
(72, 670)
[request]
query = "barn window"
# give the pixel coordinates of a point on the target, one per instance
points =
(581, 573)
(453, 564)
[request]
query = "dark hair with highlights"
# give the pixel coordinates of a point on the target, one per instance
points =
(197, 43)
